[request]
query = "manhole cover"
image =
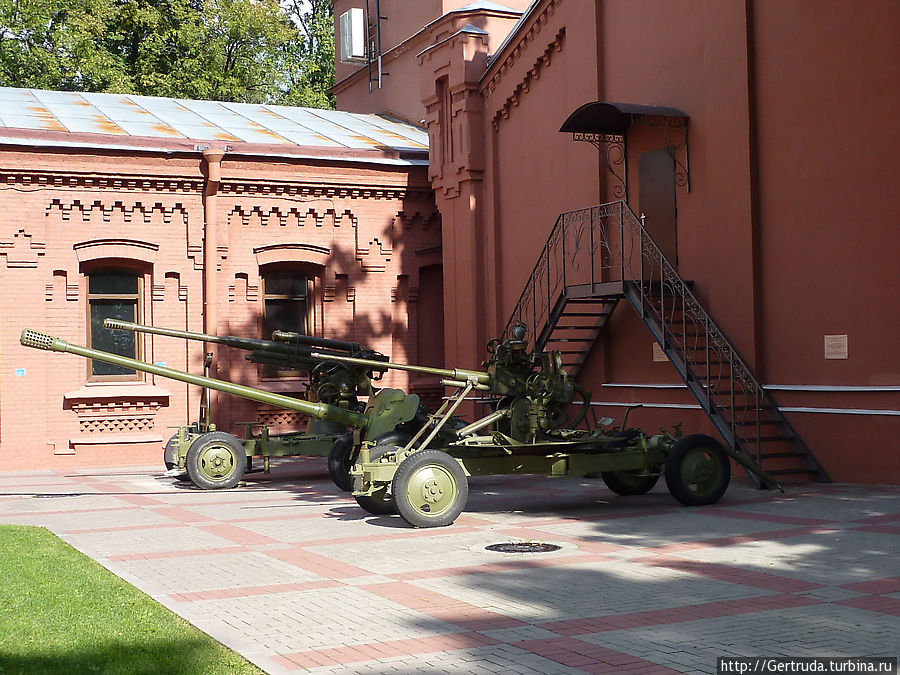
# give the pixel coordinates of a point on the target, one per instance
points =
(523, 547)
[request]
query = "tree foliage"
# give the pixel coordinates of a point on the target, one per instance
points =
(255, 51)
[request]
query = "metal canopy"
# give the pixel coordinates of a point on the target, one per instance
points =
(603, 117)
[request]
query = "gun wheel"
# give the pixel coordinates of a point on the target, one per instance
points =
(430, 489)
(340, 459)
(379, 503)
(697, 470)
(216, 461)
(170, 453)
(628, 483)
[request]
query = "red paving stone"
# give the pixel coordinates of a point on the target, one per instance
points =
(238, 535)
(876, 586)
(735, 575)
(678, 615)
(875, 603)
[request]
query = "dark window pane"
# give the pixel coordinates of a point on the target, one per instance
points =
(287, 315)
(116, 341)
(107, 283)
(285, 283)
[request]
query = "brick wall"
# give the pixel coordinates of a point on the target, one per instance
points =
(363, 231)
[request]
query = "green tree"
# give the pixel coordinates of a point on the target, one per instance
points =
(311, 70)
(230, 50)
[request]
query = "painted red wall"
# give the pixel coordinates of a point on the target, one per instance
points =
(367, 228)
(410, 27)
(789, 229)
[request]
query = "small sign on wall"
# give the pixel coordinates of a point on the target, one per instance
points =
(836, 347)
(658, 354)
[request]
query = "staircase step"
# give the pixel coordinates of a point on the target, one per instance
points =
(764, 439)
(570, 340)
(781, 455)
(587, 314)
(789, 472)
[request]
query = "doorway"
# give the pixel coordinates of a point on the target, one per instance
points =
(656, 192)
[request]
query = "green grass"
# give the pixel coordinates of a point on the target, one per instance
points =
(61, 612)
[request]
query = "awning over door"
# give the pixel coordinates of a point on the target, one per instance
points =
(604, 117)
(605, 124)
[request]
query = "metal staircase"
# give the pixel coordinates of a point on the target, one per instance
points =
(596, 256)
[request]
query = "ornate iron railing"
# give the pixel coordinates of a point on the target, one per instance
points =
(609, 243)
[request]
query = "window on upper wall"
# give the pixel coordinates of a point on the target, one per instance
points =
(113, 293)
(287, 306)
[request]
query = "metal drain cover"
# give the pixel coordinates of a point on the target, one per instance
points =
(523, 547)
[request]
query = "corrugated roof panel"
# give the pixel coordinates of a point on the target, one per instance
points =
(156, 117)
(31, 122)
(92, 125)
(310, 138)
(149, 126)
(124, 113)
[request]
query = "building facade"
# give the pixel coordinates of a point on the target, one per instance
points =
(756, 139)
(226, 219)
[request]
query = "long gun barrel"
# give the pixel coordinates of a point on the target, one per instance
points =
(38, 340)
(313, 341)
(288, 351)
(460, 375)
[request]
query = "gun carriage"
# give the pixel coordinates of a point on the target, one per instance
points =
(330, 382)
(541, 423)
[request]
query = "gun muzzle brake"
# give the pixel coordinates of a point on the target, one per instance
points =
(36, 339)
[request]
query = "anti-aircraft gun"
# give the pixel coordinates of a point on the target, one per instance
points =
(529, 431)
(423, 475)
(333, 383)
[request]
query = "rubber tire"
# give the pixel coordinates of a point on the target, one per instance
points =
(627, 483)
(378, 504)
(170, 452)
(701, 454)
(409, 477)
(340, 458)
(198, 455)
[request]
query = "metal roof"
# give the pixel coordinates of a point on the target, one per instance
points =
(129, 115)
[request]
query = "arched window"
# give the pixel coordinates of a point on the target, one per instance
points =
(113, 293)
(286, 300)
(288, 295)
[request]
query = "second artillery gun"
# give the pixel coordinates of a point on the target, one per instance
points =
(422, 472)
(334, 383)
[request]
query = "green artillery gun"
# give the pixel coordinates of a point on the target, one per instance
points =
(208, 456)
(530, 431)
(423, 475)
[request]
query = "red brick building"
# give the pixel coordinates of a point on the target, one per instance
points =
(759, 140)
(219, 218)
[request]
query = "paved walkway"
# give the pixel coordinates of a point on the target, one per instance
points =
(293, 575)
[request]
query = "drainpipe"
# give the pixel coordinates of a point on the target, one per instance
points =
(213, 158)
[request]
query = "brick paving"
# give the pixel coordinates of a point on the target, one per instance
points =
(292, 574)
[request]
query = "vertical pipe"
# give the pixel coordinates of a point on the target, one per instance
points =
(562, 228)
(549, 291)
(731, 372)
(213, 158)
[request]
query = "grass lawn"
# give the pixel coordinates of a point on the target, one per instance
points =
(61, 612)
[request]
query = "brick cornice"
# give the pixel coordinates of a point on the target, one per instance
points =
(336, 190)
(512, 51)
(189, 185)
(523, 85)
(49, 179)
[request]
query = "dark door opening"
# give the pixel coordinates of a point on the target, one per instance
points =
(656, 186)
